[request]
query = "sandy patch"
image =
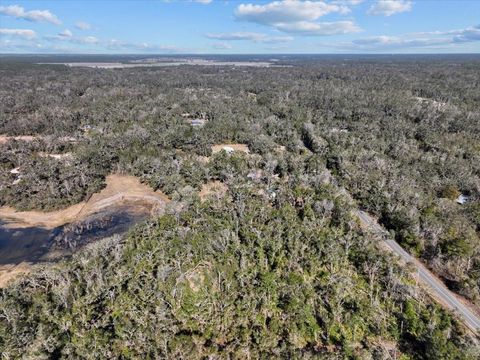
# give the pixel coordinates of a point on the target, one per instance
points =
(436, 104)
(226, 147)
(70, 139)
(4, 138)
(120, 189)
(66, 156)
(196, 279)
(203, 159)
(28, 138)
(120, 192)
(10, 271)
(213, 188)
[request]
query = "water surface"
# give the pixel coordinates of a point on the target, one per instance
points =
(33, 244)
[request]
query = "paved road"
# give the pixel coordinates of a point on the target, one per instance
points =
(435, 286)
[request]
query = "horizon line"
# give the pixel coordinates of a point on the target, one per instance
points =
(229, 54)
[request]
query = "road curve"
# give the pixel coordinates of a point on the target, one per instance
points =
(435, 286)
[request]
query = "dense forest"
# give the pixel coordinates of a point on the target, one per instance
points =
(277, 266)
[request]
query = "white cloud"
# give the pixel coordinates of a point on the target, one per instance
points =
(249, 36)
(425, 40)
(67, 42)
(222, 46)
(19, 12)
(66, 33)
(276, 39)
(319, 29)
(390, 7)
(286, 11)
(67, 36)
(82, 25)
(23, 33)
(467, 35)
(119, 45)
(389, 42)
(86, 40)
(203, 2)
(348, 2)
(299, 17)
(234, 36)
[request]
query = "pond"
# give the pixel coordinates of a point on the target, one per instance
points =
(33, 244)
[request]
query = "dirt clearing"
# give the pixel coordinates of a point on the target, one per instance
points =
(212, 188)
(11, 271)
(120, 189)
(28, 237)
(4, 138)
(230, 148)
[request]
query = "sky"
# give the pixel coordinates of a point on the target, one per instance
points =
(239, 26)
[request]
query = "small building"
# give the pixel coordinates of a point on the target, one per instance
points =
(17, 180)
(462, 199)
(197, 122)
(228, 149)
(87, 128)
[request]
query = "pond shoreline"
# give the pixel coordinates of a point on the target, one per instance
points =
(29, 237)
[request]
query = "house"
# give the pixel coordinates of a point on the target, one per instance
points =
(17, 180)
(16, 171)
(228, 149)
(87, 128)
(197, 122)
(462, 199)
